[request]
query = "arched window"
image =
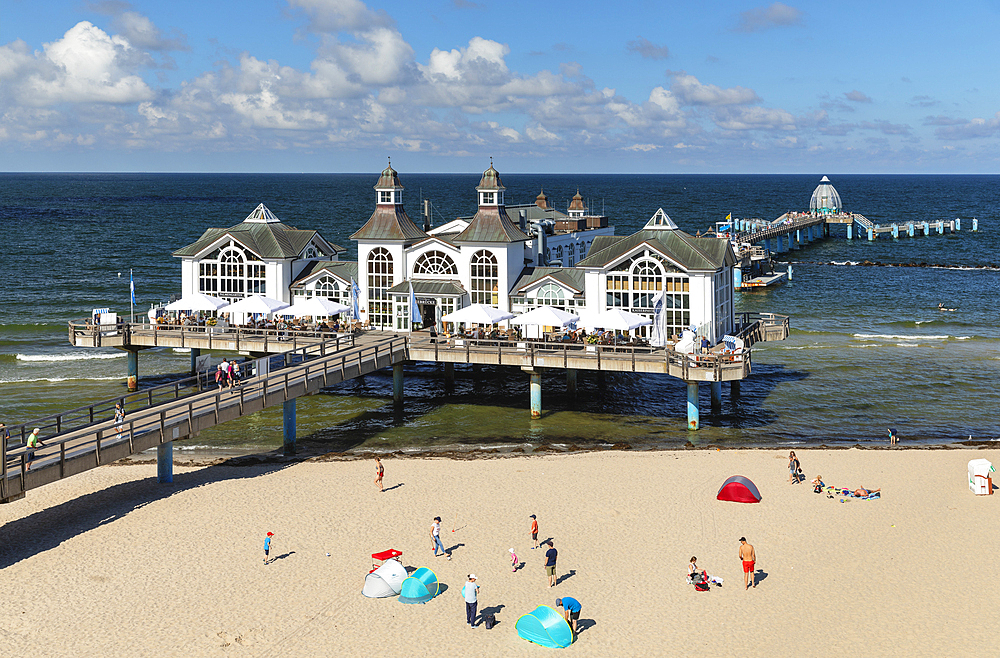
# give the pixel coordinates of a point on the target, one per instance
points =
(485, 278)
(379, 282)
(435, 262)
(330, 288)
(551, 295)
(231, 273)
(647, 280)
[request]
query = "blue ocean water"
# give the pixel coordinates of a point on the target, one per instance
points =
(869, 347)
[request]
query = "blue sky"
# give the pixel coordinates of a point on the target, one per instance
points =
(442, 85)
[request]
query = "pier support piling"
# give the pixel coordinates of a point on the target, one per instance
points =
(734, 389)
(571, 381)
(716, 389)
(975, 224)
(909, 229)
(850, 231)
(798, 239)
(895, 230)
(288, 422)
(958, 224)
(397, 385)
(165, 462)
(133, 370)
(449, 374)
(692, 405)
(195, 353)
(871, 235)
(536, 393)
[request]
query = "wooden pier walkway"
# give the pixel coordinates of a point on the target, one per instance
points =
(291, 366)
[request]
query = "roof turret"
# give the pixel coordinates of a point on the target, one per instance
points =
(825, 198)
(490, 180)
(389, 180)
(542, 201)
(577, 202)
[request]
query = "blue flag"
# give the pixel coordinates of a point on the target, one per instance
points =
(131, 285)
(415, 317)
(355, 293)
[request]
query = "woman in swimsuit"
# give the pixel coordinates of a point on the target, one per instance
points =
(379, 472)
(793, 467)
(862, 492)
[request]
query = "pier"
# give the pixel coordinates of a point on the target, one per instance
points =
(289, 365)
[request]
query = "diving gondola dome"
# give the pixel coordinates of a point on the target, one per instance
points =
(825, 198)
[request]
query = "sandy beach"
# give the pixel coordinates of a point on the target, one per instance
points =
(109, 563)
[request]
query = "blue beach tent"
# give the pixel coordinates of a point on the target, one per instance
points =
(545, 626)
(421, 587)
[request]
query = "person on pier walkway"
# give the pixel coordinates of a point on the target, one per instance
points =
(33, 443)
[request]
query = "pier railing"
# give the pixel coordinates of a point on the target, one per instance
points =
(70, 451)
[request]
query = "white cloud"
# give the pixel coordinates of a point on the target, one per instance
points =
(340, 15)
(775, 15)
(141, 33)
(690, 91)
(85, 66)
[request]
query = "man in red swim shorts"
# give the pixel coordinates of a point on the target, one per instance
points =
(749, 557)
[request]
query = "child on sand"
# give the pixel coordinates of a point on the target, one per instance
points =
(534, 530)
(513, 560)
(818, 484)
(267, 546)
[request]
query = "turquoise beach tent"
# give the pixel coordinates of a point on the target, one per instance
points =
(545, 626)
(421, 587)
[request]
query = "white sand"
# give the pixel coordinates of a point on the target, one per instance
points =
(110, 563)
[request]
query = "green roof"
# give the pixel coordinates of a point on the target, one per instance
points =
(389, 222)
(345, 270)
(570, 277)
(689, 252)
(266, 240)
(429, 288)
(491, 224)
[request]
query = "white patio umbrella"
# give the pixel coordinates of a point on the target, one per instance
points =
(314, 306)
(479, 314)
(255, 304)
(614, 319)
(546, 316)
(196, 302)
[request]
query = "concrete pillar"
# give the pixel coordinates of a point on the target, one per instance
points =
(716, 389)
(826, 230)
(449, 374)
(195, 353)
(909, 229)
(958, 224)
(397, 385)
(941, 227)
(871, 234)
(737, 277)
(975, 224)
(536, 394)
(288, 421)
(927, 228)
(798, 239)
(601, 381)
(133, 370)
(850, 231)
(165, 462)
(692, 405)
(767, 244)
(571, 381)
(789, 271)
(734, 389)
(895, 230)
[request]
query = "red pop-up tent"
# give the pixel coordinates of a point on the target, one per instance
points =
(739, 489)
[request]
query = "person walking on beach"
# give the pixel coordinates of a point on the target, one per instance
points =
(33, 444)
(267, 547)
(513, 560)
(119, 418)
(534, 531)
(793, 468)
(892, 436)
(436, 538)
(749, 558)
(379, 472)
(550, 563)
(470, 590)
(571, 610)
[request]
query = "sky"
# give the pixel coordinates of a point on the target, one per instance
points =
(541, 87)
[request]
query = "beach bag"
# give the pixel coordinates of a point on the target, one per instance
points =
(817, 488)
(489, 621)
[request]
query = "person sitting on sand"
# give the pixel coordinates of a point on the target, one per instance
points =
(693, 569)
(818, 485)
(863, 493)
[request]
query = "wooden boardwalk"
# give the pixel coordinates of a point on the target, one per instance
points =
(300, 364)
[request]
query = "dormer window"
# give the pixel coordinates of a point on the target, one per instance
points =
(489, 198)
(311, 252)
(384, 196)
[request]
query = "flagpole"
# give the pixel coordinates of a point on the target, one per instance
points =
(131, 296)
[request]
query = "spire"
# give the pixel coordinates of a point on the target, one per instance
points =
(542, 201)
(261, 215)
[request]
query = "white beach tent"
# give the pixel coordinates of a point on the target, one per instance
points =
(478, 314)
(613, 319)
(196, 302)
(315, 307)
(255, 304)
(385, 581)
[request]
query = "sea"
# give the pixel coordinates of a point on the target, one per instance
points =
(869, 348)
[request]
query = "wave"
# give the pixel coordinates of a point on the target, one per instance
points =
(60, 379)
(931, 266)
(899, 337)
(907, 345)
(68, 357)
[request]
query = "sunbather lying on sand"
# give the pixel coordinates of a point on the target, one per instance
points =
(862, 492)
